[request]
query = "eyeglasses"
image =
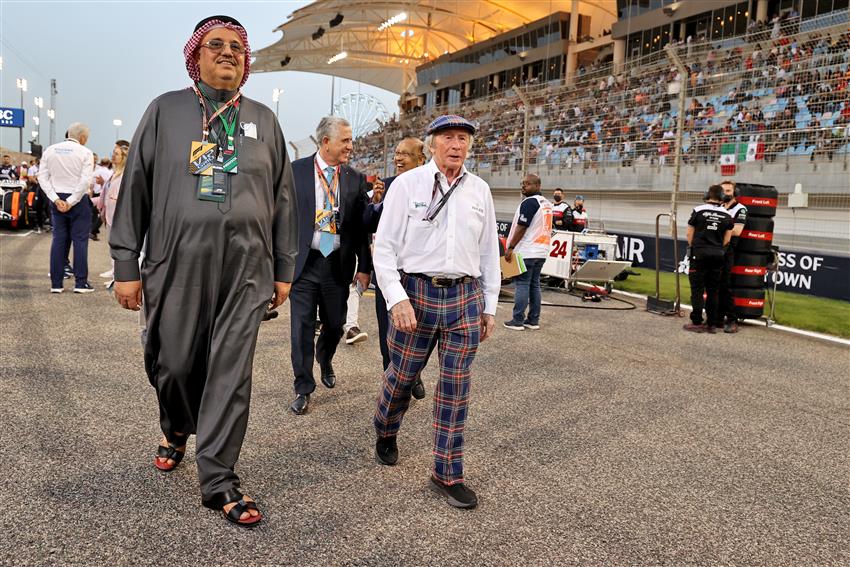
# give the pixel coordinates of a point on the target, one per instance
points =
(217, 45)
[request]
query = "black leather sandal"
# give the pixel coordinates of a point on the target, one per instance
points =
(171, 452)
(234, 516)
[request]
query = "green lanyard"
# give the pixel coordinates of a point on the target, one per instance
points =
(228, 156)
(229, 125)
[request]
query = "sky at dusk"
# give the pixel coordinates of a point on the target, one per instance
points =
(111, 58)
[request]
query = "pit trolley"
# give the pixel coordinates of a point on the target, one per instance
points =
(587, 257)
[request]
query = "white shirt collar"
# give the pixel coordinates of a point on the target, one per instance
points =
(433, 169)
(322, 163)
(69, 139)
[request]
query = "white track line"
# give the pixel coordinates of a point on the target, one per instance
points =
(783, 328)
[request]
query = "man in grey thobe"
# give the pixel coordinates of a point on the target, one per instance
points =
(218, 252)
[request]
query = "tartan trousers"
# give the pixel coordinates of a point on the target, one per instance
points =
(451, 316)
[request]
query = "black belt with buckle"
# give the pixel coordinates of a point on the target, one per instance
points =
(438, 281)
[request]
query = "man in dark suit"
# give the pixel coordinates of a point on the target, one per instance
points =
(332, 240)
(409, 153)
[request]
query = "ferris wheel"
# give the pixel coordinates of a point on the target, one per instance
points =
(362, 111)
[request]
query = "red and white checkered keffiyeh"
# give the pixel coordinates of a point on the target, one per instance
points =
(195, 42)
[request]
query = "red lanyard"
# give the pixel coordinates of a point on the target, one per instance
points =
(330, 191)
(207, 121)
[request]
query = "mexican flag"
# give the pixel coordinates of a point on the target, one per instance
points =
(730, 155)
(755, 151)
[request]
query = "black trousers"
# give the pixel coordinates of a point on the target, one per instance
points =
(96, 222)
(383, 322)
(41, 206)
(704, 276)
(315, 287)
(727, 302)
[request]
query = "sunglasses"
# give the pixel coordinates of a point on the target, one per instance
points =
(217, 45)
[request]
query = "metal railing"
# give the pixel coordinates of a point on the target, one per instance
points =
(777, 106)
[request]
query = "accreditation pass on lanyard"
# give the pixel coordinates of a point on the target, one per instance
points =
(205, 159)
(227, 158)
(326, 217)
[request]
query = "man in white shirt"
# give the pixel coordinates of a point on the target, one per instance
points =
(530, 237)
(437, 262)
(65, 176)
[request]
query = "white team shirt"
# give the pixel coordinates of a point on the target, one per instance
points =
(66, 167)
(536, 241)
(461, 241)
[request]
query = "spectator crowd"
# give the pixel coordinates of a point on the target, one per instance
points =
(787, 94)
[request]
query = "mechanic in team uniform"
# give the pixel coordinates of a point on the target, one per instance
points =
(8, 170)
(738, 212)
(562, 214)
(709, 233)
(579, 215)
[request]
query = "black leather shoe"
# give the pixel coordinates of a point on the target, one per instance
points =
(457, 495)
(300, 404)
(418, 388)
(328, 377)
(386, 450)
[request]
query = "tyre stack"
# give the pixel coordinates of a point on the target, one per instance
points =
(753, 252)
(13, 203)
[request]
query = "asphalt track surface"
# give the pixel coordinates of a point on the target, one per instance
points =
(605, 438)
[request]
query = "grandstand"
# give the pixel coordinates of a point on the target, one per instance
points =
(780, 106)
(586, 94)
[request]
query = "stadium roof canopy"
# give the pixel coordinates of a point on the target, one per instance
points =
(388, 57)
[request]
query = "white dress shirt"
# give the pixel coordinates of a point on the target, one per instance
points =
(66, 167)
(320, 199)
(461, 241)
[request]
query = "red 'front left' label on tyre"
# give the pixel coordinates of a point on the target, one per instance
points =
(757, 201)
(756, 235)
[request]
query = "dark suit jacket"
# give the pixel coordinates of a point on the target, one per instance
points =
(354, 240)
(372, 215)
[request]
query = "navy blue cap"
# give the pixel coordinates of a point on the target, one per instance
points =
(450, 121)
(579, 198)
